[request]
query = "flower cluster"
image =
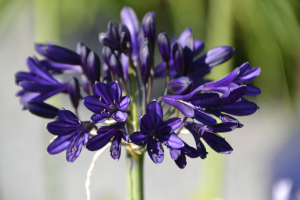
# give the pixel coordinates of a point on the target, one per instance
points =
(134, 120)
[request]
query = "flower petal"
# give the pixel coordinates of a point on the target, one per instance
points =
(222, 127)
(181, 161)
(94, 104)
(59, 144)
(169, 125)
(155, 151)
(42, 109)
(204, 117)
(217, 143)
(115, 149)
(97, 118)
(99, 141)
(62, 128)
(146, 124)
(120, 116)
(185, 108)
(156, 113)
(226, 80)
(241, 108)
(171, 140)
(101, 90)
(67, 116)
(199, 45)
(189, 151)
(124, 103)
(252, 90)
(114, 91)
(175, 153)
(139, 138)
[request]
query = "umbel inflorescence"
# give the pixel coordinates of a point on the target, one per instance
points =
(124, 114)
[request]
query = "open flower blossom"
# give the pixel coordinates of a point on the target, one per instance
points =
(136, 121)
(107, 102)
(154, 132)
(72, 134)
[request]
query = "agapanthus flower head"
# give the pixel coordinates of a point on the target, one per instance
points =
(107, 102)
(154, 132)
(72, 134)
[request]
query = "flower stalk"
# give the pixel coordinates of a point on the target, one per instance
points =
(134, 175)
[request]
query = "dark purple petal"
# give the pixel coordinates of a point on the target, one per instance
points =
(249, 75)
(252, 90)
(190, 151)
(74, 148)
(139, 138)
(205, 100)
(175, 153)
(145, 59)
(97, 118)
(36, 87)
(124, 103)
(93, 67)
(205, 118)
(101, 90)
(74, 91)
(20, 93)
(185, 108)
(214, 57)
(156, 113)
(125, 136)
(181, 161)
(84, 52)
(164, 46)
(148, 26)
(25, 76)
(236, 94)
(180, 85)
(188, 52)
(222, 127)
(59, 144)
(85, 83)
(62, 128)
(243, 69)
(114, 91)
(58, 68)
(217, 143)
(61, 54)
(94, 104)
(155, 151)
(120, 116)
(115, 149)
(108, 40)
(146, 124)
(115, 65)
(37, 69)
(67, 116)
(225, 80)
(125, 39)
(99, 141)
(125, 65)
(178, 57)
(169, 125)
(184, 35)
(106, 54)
(128, 17)
(199, 45)
(171, 140)
(196, 132)
(239, 108)
(113, 30)
(41, 109)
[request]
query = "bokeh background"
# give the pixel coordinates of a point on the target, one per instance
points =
(266, 160)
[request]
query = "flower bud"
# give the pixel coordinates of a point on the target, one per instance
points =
(145, 59)
(93, 67)
(42, 109)
(164, 46)
(180, 85)
(115, 65)
(178, 57)
(60, 54)
(74, 91)
(148, 26)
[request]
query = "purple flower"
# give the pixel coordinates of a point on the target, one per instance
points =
(209, 135)
(38, 84)
(107, 102)
(72, 134)
(179, 155)
(154, 132)
(113, 133)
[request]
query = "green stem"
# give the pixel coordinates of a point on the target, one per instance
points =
(134, 171)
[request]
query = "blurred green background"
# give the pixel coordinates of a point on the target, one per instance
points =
(264, 32)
